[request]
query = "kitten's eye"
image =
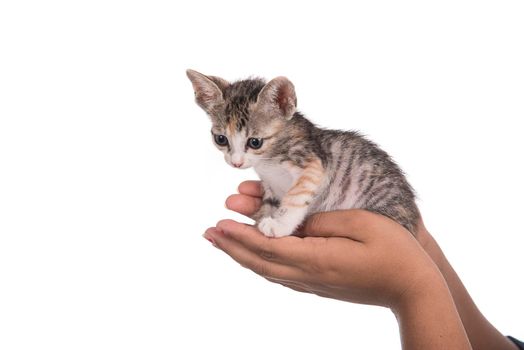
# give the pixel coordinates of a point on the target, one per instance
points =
(254, 143)
(221, 140)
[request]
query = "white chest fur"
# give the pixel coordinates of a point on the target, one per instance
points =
(280, 177)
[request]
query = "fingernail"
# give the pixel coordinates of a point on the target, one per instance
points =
(210, 239)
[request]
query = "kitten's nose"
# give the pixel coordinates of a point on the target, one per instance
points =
(238, 165)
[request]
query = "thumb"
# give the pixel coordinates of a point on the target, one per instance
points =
(356, 224)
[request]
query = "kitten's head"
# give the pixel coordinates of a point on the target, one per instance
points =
(246, 114)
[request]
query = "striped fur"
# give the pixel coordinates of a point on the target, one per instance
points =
(304, 169)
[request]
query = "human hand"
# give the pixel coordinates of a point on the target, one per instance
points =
(351, 255)
(249, 199)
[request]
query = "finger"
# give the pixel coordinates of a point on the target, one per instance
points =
(322, 291)
(243, 204)
(295, 288)
(251, 188)
(250, 260)
(292, 285)
(310, 254)
(288, 250)
(356, 224)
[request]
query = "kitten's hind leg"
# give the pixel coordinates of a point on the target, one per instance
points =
(295, 204)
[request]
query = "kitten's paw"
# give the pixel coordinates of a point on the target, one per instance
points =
(272, 227)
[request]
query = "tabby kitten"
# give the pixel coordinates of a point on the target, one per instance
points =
(304, 169)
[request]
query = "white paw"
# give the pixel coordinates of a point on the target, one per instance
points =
(272, 227)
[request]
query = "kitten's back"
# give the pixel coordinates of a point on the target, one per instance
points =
(363, 176)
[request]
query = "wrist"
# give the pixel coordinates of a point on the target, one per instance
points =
(430, 246)
(431, 285)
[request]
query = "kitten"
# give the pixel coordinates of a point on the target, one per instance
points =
(304, 169)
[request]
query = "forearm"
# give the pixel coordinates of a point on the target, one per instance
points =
(481, 333)
(429, 320)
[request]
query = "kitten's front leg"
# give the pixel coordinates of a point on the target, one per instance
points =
(295, 203)
(269, 204)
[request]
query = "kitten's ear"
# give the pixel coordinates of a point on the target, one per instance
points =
(208, 90)
(278, 96)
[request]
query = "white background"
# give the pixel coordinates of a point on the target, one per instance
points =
(108, 176)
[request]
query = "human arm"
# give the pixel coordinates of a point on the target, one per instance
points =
(481, 333)
(360, 257)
